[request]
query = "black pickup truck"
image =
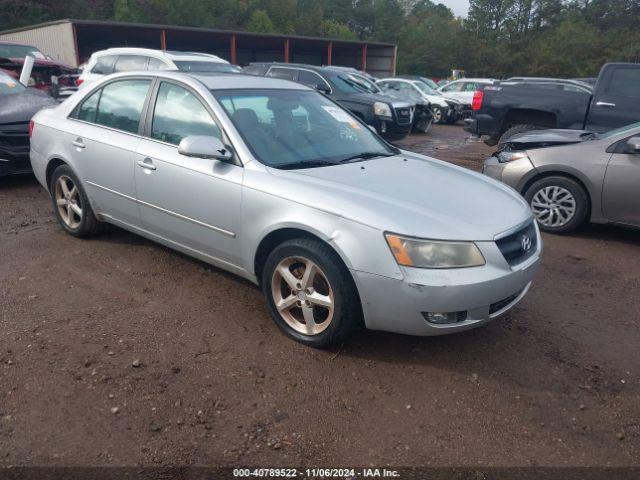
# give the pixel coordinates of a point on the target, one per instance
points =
(506, 108)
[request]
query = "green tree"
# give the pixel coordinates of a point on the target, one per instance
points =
(260, 22)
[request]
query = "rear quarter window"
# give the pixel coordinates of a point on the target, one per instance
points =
(104, 65)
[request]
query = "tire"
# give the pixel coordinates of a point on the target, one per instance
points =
(552, 198)
(423, 125)
(71, 206)
(515, 130)
(332, 284)
(438, 115)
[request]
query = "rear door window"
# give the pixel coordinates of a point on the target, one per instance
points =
(104, 65)
(155, 64)
(128, 63)
(121, 104)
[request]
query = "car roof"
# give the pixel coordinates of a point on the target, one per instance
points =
(319, 68)
(467, 79)
(217, 81)
(166, 54)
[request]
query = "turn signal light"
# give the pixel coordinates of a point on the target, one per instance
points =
(476, 104)
(31, 126)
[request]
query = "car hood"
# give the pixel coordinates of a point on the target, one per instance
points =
(411, 195)
(370, 98)
(38, 62)
(544, 138)
(20, 107)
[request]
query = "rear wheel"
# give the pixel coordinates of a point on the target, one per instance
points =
(311, 295)
(559, 204)
(71, 205)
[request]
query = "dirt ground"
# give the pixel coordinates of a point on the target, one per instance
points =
(117, 351)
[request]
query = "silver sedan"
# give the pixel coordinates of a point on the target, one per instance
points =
(274, 182)
(571, 176)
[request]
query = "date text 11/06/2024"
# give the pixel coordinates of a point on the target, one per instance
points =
(315, 473)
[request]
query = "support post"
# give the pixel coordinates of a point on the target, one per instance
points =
(394, 60)
(234, 49)
(286, 50)
(329, 52)
(163, 39)
(364, 58)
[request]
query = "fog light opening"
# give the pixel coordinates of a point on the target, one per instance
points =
(444, 318)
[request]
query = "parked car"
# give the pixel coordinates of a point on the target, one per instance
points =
(464, 88)
(550, 84)
(426, 80)
(423, 115)
(444, 110)
(392, 118)
(17, 106)
(501, 111)
(114, 60)
(570, 176)
(277, 183)
(54, 78)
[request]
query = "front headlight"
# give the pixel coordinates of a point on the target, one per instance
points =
(381, 109)
(504, 157)
(414, 252)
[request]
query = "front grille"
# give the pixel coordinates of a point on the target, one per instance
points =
(496, 307)
(403, 114)
(519, 246)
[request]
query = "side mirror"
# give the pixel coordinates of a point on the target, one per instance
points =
(204, 146)
(632, 145)
(322, 88)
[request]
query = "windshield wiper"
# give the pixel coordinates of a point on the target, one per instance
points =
(366, 156)
(303, 164)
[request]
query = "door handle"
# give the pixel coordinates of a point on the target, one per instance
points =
(78, 143)
(147, 163)
(605, 104)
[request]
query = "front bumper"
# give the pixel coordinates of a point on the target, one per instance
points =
(483, 293)
(14, 149)
(513, 173)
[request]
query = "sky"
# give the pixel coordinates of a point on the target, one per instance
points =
(459, 7)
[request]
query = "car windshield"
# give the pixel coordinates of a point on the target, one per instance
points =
(346, 84)
(9, 86)
(619, 131)
(429, 83)
(188, 66)
(424, 88)
(365, 83)
(299, 129)
(19, 51)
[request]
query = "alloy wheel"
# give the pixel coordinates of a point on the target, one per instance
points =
(302, 295)
(553, 206)
(68, 201)
(437, 115)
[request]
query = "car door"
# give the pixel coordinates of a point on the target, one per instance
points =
(616, 100)
(621, 189)
(187, 201)
(453, 90)
(103, 137)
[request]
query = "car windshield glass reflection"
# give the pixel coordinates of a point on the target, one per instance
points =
(299, 129)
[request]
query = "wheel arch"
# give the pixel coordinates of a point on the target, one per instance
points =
(282, 233)
(53, 163)
(528, 116)
(571, 175)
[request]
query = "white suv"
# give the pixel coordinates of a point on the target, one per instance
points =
(115, 60)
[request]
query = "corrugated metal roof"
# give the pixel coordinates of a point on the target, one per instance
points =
(109, 23)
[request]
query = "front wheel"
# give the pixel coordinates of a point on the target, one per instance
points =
(71, 205)
(438, 114)
(311, 295)
(559, 204)
(424, 124)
